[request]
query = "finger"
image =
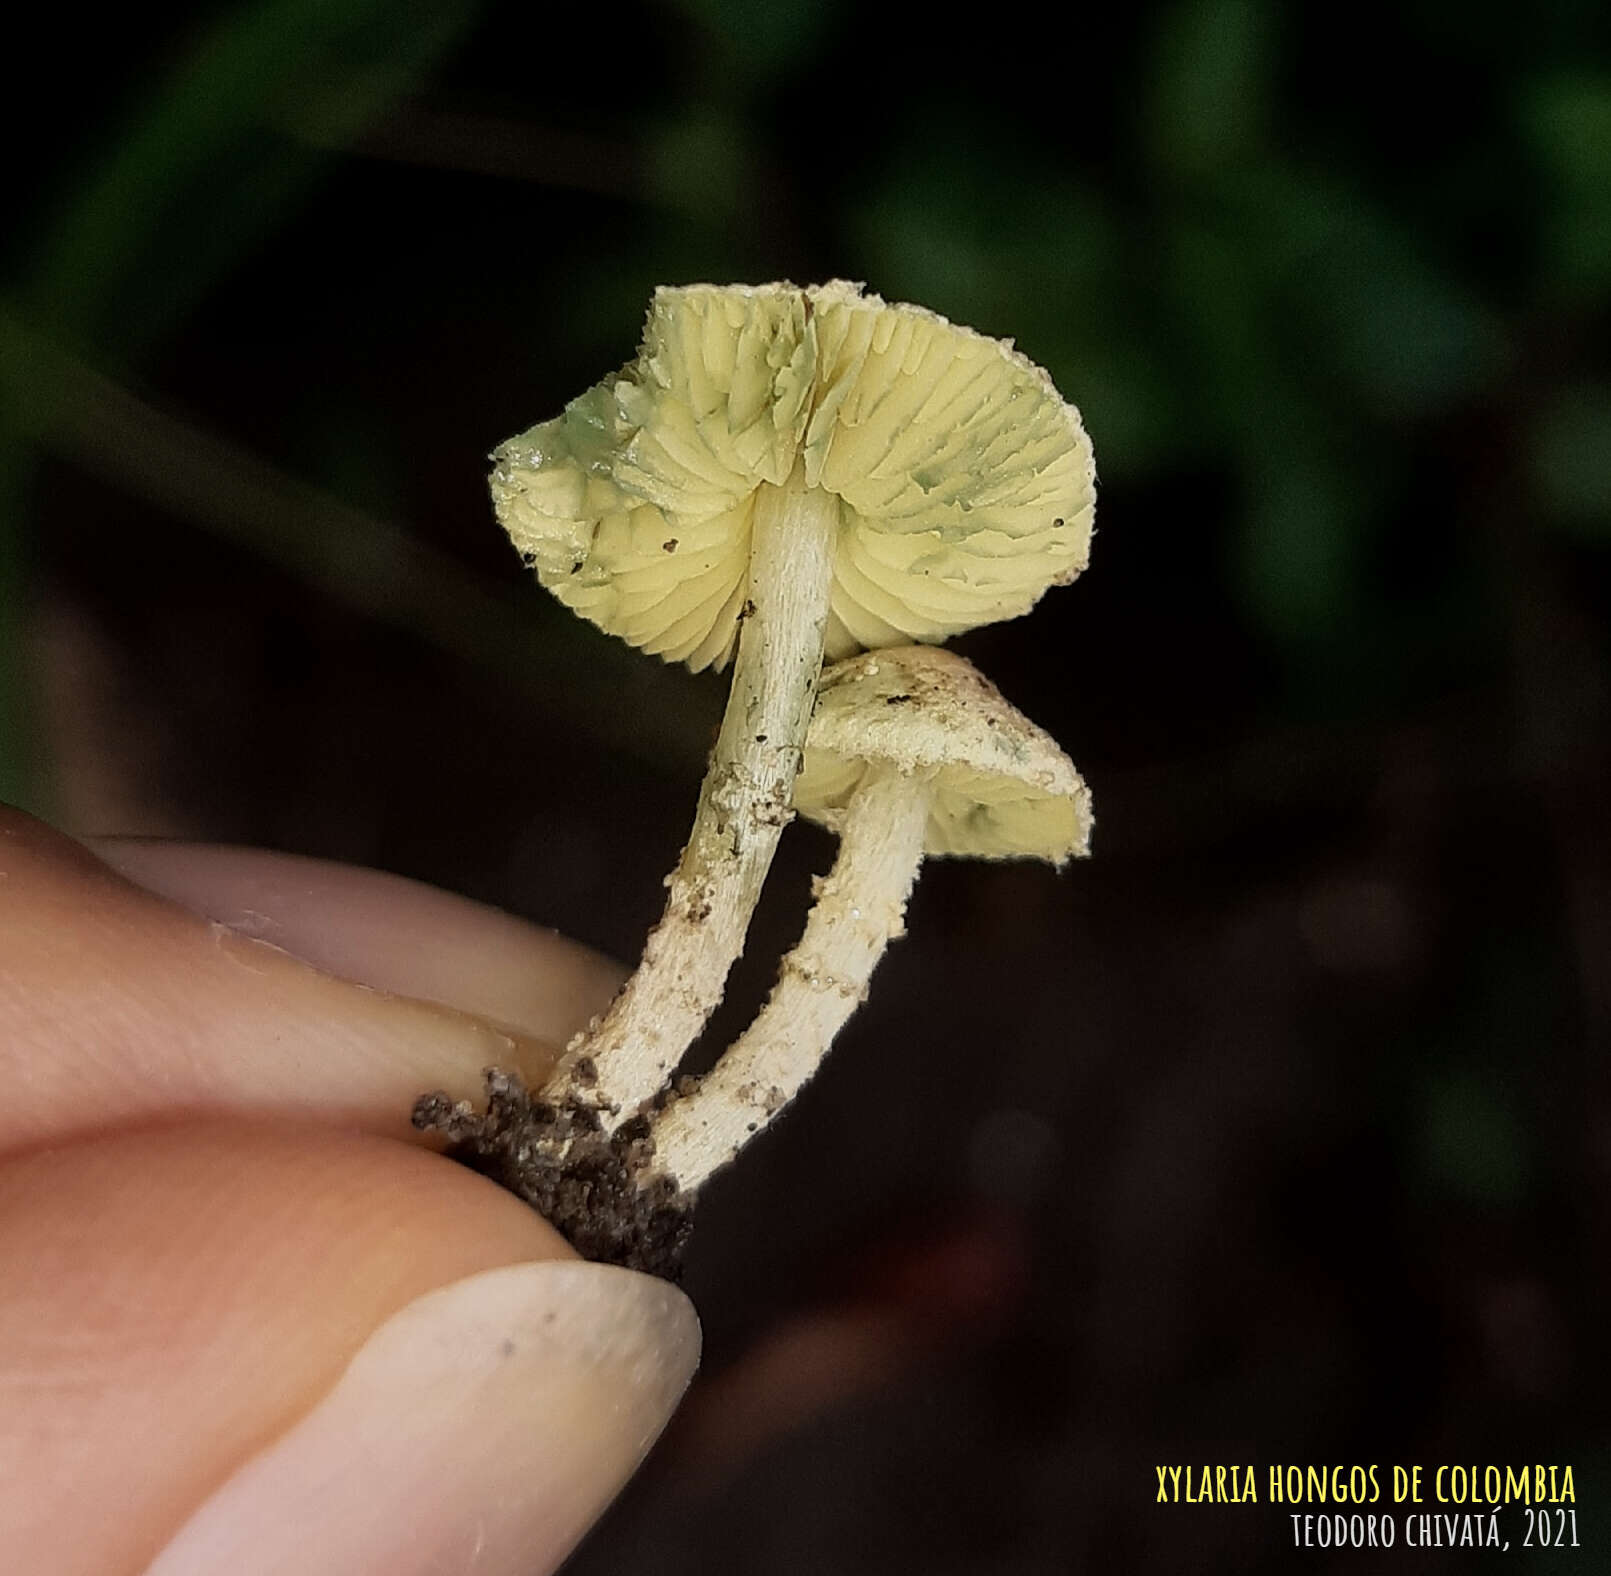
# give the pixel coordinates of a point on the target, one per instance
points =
(266, 1349)
(382, 930)
(117, 1006)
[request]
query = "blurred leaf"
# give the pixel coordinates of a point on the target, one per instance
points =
(1571, 458)
(26, 394)
(1567, 119)
(18, 754)
(1206, 100)
(1292, 279)
(1220, 312)
(699, 166)
(1473, 1143)
(208, 166)
(656, 712)
(1300, 547)
(221, 148)
(345, 443)
(972, 227)
(766, 36)
(1288, 214)
(968, 222)
(1126, 401)
(1411, 339)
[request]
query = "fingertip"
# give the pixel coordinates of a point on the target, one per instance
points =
(179, 1297)
(484, 1426)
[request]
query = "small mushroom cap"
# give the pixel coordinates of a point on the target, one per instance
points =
(966, 484)
(1002, 789)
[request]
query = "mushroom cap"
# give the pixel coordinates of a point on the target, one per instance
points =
(965, 483)
(1002, 789)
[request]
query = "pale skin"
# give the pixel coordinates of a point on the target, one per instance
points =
(205, 1151)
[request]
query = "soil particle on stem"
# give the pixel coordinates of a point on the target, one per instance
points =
(601, 1195)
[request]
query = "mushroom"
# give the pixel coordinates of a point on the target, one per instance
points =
(780, 474)
(912, 751)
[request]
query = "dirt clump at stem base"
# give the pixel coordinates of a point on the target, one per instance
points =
(601, 1195)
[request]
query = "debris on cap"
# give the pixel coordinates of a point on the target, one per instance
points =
(1000, 786)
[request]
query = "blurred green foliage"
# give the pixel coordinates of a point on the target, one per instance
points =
(1321, 278)
(213, 155)
(1474, 1144)
(213, 158)
(1567, 118)
(1572, 457)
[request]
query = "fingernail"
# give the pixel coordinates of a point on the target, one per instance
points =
(484, 1427)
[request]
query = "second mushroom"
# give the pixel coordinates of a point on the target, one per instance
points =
(912, 752)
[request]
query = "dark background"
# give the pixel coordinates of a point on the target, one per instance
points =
(1279, 1131)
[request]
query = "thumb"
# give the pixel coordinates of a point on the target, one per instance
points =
(290, 1349)
(484, 1427)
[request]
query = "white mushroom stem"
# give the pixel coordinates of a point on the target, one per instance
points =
(860, 909)
(743, 808)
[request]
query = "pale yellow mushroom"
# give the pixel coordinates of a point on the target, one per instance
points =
(912, 752)
(782, 472)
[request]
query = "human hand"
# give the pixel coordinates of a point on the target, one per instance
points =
(248, 1321)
